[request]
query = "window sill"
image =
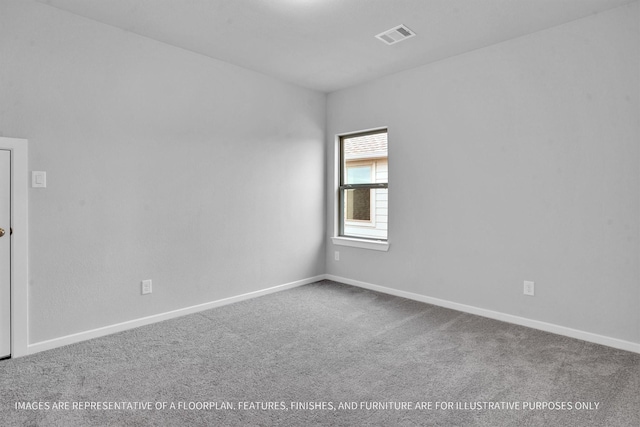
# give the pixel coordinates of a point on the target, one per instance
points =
(361, 243)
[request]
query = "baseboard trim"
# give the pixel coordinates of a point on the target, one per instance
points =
(119, 327)
(522, 321)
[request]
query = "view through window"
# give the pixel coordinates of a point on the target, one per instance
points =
(363, 191)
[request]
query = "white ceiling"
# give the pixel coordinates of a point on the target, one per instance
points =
(330, 44)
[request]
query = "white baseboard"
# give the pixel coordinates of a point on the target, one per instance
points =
(119, 327)
(535, 324)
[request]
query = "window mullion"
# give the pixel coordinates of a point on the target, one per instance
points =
(371, 186)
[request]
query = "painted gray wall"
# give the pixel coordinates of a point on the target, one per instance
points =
(162, 164)
(516, 162)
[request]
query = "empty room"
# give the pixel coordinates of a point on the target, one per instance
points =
(319, 212)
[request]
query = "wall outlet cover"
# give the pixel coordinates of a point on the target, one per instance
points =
(146, 287)
(529, 288)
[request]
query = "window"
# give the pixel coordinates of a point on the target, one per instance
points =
(358, 200)
(363, 192)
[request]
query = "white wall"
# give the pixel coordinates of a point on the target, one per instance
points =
(516, 162)
(162, 164)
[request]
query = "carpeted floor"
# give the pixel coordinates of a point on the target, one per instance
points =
(324, 354)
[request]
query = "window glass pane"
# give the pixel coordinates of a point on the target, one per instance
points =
(357, 204)
(365, 213)
(365, 146)
(358, 174)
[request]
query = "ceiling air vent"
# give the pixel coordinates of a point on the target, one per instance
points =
(396, 34)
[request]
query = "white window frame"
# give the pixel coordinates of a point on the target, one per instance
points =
(337, 239)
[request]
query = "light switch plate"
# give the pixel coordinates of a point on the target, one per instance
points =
(38, 179)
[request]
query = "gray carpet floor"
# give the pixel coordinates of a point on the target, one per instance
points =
(324, 354)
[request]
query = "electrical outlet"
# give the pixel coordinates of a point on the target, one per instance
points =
(146, 287)
(337, 256)
(528, 288)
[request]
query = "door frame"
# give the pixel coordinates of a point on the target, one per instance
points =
(19, 244)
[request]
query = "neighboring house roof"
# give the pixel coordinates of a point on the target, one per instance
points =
(366, 146)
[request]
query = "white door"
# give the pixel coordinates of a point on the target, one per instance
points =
(5, 253)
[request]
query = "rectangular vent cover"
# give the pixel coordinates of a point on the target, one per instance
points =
(396, 34)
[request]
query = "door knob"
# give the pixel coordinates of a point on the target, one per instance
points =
(1, 232)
